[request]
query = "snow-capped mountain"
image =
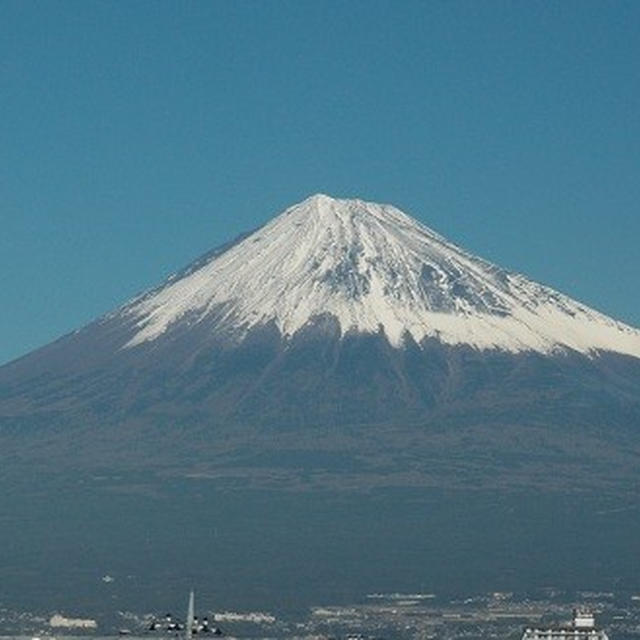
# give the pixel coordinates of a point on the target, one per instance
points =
(372, 268)
(426, 393)
(348, 329)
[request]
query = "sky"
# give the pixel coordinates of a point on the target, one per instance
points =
(135, 136)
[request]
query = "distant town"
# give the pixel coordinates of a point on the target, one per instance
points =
(377, 616)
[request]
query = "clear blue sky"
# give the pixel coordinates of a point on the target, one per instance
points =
(136, 135)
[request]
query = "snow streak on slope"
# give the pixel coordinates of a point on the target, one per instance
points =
(373, 268)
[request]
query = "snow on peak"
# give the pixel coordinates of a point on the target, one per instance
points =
(373, 268)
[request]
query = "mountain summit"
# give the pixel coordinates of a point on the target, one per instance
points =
(373, 269)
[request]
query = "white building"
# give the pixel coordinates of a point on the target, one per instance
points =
(583, 627)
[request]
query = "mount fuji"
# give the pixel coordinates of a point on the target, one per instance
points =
(343, 337)
(341, 402)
